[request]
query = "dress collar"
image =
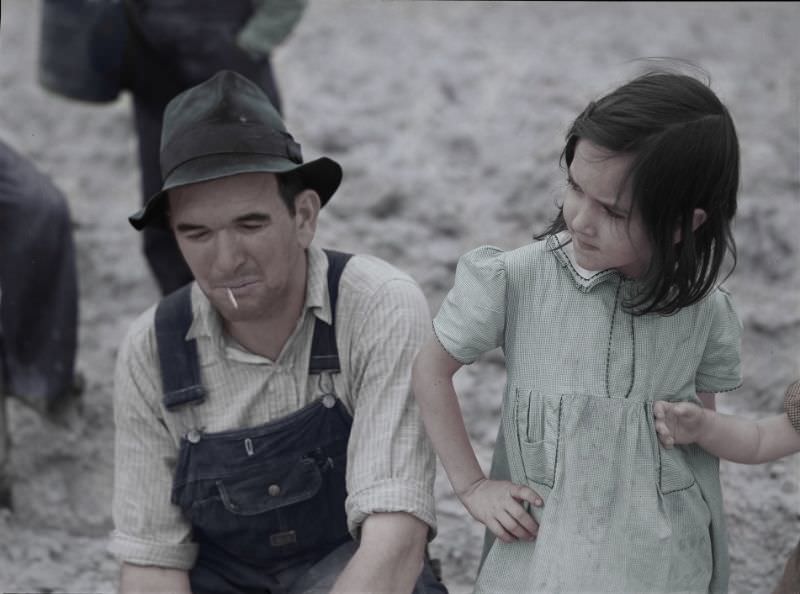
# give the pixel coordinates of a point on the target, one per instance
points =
(560, 245)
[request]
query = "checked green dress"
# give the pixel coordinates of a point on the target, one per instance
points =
(621, 513)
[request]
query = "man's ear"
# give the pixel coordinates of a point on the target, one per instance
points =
(306, 208)
(699, 217)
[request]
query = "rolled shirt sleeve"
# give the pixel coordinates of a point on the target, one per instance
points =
(471, 320)
(720, 367)
(390, 462)
(149, 530)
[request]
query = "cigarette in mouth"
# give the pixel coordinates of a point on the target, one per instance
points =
(232, 298)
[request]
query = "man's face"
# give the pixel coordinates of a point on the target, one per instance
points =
(606, 232)
(236, 233)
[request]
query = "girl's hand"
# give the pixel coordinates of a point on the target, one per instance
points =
(498, 505)
(678, 422)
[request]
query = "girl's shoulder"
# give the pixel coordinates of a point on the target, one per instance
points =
(489, 256)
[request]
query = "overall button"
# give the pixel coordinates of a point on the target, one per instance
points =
(274, 490)
(328, 401)
(193, 436)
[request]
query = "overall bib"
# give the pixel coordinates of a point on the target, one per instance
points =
(267, 503)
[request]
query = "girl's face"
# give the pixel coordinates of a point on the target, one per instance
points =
(606, 231)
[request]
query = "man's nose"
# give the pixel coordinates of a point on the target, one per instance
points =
(229, 252)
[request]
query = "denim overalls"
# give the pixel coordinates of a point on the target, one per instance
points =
(266, 503)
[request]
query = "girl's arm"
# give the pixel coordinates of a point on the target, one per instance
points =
(726, 436)
(496, 504)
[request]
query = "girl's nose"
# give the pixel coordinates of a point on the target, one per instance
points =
(583, 221)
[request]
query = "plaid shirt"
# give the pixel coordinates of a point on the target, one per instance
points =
(382, 319)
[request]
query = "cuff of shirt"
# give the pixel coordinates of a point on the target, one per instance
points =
(145, 552)
(710, 383)
(391, 495)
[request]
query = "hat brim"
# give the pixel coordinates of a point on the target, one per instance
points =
(322, 175)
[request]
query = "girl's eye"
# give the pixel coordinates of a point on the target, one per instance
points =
(251, 226)
(198, 235)
(613, 215)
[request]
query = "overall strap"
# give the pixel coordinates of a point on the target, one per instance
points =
(324, 354)
(180, 369)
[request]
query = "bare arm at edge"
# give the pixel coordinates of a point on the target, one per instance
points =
(149, 579)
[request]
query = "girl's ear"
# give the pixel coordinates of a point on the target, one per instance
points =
(699, 217)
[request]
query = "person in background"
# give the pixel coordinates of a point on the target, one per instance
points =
(177, 44)
(38, 298)
(266, 435)
(155, 49)
(739, 440)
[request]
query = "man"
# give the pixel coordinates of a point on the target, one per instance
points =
(263, 413)
(38, 299)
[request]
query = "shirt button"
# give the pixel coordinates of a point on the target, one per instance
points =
(193, 436)
(328, 401)
(274, 490)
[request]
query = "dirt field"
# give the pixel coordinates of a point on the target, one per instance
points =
(448, 119)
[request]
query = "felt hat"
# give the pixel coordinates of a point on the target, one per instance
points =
(226, 126)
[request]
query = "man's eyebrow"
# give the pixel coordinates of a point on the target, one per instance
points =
(253, 217)
(188, 227)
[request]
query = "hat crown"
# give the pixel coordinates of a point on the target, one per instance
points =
(228, 126)
(225, 97)
(225, 115)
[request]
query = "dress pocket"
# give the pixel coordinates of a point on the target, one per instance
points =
(538, 425)
(673, 470)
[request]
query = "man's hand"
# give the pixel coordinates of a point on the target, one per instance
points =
(498, 505)
(678, 422)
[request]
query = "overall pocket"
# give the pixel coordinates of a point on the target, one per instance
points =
(274, 511)
(538, 419)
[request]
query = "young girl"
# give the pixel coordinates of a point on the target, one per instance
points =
(614, 307)
(738, 440)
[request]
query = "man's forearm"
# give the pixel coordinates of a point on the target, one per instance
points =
(389, 556)
(147, 579)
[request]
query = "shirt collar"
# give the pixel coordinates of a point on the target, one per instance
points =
(207, 322)
(560, 246)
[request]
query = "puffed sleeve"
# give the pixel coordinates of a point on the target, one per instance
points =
(791, 404)
(720, 367)
(471, 320)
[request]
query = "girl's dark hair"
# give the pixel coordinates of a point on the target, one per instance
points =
(686, 156)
